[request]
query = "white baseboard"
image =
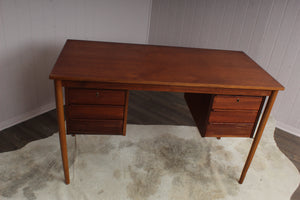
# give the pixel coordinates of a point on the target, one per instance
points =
(25, 116)
(288, 128)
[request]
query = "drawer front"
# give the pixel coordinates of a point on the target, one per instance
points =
(232, 116)
(229, 130)
(96, 96)
(102, 127)
(236, 102)
(95, 112)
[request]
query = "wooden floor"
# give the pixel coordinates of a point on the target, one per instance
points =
(144, 108)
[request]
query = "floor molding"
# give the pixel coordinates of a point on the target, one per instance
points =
(27, 115)
(288, 128)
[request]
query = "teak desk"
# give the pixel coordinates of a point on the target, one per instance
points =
(225, 90)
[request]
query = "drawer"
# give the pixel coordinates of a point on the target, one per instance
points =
(236, 102)
(102, 127)
(232, 116)
(96, 96)
(229, 130)
(95, 112)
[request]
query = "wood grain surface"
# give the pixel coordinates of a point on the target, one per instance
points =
(236, 102)
(232, 116)
(96, 96)
(99, 127)
(160, 65)
(95, 112)
(229, 130)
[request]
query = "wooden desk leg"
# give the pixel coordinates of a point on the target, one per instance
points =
(258, 134)
(62, 130)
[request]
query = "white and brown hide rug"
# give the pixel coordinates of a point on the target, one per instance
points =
(151, 162)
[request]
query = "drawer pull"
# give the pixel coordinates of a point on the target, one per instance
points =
(97, 94)
(237, 100)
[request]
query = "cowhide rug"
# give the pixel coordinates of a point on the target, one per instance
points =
(151, 162)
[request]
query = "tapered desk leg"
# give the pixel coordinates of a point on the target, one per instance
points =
(62, 130)
(258, 134)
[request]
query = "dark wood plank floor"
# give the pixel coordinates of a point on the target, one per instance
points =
(144, 108)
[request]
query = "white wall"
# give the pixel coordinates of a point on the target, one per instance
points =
(267, 30)
(32, 33)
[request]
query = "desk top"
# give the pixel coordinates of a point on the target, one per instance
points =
(159, 65)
